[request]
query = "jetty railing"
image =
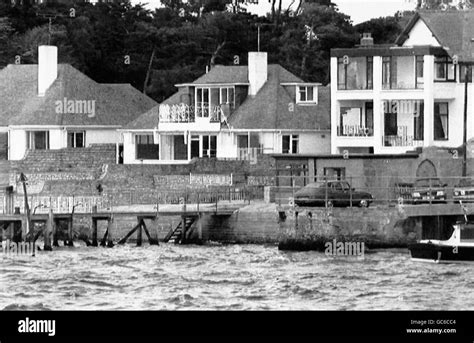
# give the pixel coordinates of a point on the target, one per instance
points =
(40, 204)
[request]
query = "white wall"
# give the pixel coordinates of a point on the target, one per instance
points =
(17, 144)
(420, 34)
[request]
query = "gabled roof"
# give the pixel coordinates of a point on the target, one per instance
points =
(115, 104)
(269, 109)
(454, 30)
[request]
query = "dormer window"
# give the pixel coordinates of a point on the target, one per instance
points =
(227, 96)
(307, 94)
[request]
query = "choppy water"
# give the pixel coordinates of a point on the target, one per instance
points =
(232, 277)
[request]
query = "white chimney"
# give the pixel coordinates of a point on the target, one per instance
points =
(258, 71)
(47, 67)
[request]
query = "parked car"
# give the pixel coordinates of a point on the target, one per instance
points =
(428, 190)
(339, 193)
(464, 191)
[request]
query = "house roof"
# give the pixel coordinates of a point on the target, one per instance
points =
(269, 109)
(115, 104)
(454, 30)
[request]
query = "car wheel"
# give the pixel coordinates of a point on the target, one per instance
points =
(364, 203)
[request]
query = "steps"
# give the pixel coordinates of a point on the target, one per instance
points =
(176, 235)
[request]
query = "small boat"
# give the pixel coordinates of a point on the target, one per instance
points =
(459, 248)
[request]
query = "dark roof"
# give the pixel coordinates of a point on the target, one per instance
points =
(269, 109)
(237, 74)
(452, 29)
(115, 104)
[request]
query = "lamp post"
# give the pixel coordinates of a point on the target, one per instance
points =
(23, 180)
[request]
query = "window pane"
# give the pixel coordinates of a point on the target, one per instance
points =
(451, 71)
(309, 93)
(285, 144)
(302, 93)
(294, 145)
(213, 146)
(231, 96)
(40, 140)
(79, 140)
(70, 139)
(341, 75)
(242, 141)
(441, 121)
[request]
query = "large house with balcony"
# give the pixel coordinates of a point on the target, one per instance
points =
(233, 112)
(391, 99)
(52, 106)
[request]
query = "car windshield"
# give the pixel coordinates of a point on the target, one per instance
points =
(428, 182)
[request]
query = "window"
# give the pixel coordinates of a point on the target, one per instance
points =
(370, 72)
(202, 102)
(209, 146)
(290, 144)
(440, 121)
(145, 147)
(37, 140)
(418, 125)
(227, 96)
(462, 73)
(445, 70)
(335, 173)
(386, 61)
(194, 146)
(341, 74)
(76, 139)
(307, 94)
(419, 71)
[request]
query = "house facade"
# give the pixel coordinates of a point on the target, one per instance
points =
(392, 99)
(54, 106)
(233, 112)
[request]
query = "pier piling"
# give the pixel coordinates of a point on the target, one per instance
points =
(110, 242)
(47, 231)
(94, 232)
(139, 232)
(69, 241)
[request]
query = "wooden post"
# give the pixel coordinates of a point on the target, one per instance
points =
(110, 242)
(55, 233)
(200, 227)
(151, 240)
(94, 232)
(69, 233)
(183, 229)
(47, 231)
(139, 232)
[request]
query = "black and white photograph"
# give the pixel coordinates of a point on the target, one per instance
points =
(165, 161)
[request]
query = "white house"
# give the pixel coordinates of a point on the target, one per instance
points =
(51, 106)
(233, 112)
(390, 99)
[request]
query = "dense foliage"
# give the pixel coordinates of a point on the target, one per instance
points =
(154, 50)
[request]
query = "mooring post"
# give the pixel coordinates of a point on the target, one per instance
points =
(55, 233)
(94, 232)
(139, 232)
(17, 233)
(110, 242)
(47, 231)
(69, 233)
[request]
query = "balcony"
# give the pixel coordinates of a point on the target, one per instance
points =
(182, 113)
(354, 131)
(401, 141)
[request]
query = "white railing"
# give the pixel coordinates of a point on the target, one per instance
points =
(182, 113)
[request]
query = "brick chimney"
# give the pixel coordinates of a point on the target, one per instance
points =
(47, 67)
(366, 39)
(258, 71)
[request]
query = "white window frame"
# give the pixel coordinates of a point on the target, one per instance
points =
(293, 138)
(30, 139)
(306, 88)
(225, 90)
(74, 143)
(199, 104)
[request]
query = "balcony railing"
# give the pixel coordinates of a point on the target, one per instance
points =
(401, 141)
(182, 113)
(355, 131)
